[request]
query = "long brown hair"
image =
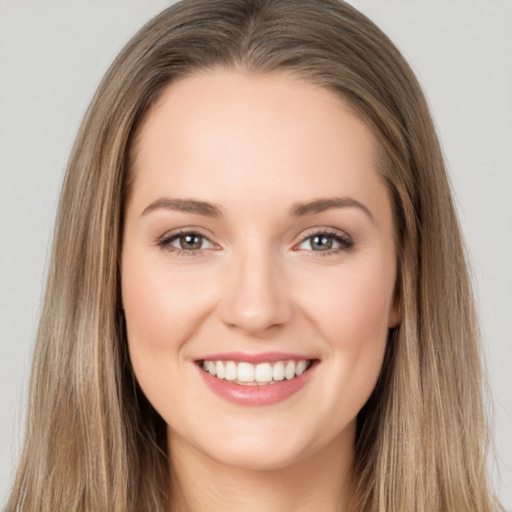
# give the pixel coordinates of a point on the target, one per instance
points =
(93, 442)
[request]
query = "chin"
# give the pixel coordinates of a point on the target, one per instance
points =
(258, 458)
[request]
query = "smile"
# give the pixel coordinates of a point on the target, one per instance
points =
(248, 374)
(256, 380)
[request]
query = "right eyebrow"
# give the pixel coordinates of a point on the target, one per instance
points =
(184, 205)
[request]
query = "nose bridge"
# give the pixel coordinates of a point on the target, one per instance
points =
(257, 297)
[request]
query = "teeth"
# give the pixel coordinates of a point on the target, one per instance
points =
(289, 371)
(231, 370)
(219, 369)
(245, 372)
(259, 374)
(299, 369)
(263, 372)
(278, 371)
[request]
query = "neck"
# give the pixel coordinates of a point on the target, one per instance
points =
(318, 481)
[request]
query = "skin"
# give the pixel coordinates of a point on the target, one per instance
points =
(254, 146)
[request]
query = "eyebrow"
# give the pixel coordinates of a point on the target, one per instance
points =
(296, 210)
(321, 205)
(184, 205)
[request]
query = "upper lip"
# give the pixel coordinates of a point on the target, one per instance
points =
(262, 357)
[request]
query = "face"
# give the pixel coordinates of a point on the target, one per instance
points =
(258, 267)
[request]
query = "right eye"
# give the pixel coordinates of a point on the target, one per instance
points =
(186, 243)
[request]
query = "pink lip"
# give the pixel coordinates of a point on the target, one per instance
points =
(255, 395)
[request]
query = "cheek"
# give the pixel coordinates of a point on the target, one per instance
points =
(156, 301)
(352, 309)
(161, 314)
(351, 313)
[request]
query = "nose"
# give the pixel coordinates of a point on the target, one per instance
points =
(257, 298)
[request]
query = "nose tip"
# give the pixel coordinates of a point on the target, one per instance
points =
(257, 301)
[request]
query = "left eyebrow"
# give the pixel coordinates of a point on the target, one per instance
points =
(323, 204)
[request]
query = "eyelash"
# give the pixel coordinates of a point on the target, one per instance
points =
(345, 243)
(165, 243)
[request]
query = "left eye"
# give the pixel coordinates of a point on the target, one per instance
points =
(322, 242)
(187, 242)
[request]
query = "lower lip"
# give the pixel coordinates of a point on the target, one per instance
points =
(257, 395)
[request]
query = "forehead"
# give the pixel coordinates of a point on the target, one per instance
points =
(223, 131)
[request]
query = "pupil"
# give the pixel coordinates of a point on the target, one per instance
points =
(321, 243)
(192, 242)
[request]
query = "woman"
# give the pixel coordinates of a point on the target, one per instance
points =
(258, 294)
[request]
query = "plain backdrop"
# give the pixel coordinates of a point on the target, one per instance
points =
(52, 56)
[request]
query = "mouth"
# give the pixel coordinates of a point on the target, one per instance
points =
(256, 380)
(262, 374)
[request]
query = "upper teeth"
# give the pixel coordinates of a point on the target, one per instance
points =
(262, 373)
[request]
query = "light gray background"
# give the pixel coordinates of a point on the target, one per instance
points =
(52, 56)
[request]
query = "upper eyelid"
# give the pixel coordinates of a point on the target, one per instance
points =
(325, 231)
(185, 231)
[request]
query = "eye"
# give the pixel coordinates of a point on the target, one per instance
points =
(326, 241)
(186, 242)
